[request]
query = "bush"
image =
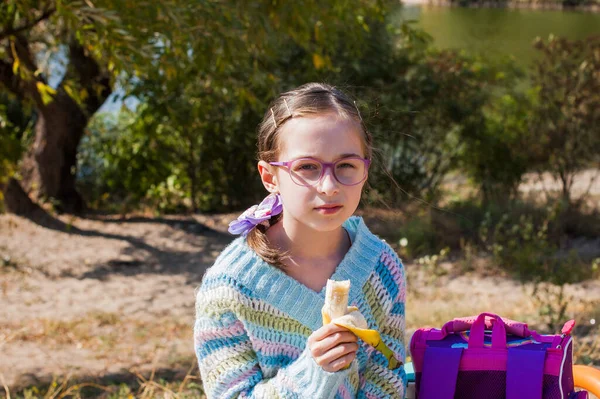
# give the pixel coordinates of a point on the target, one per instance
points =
(122, 167)
(418, 237)
(566, 112)
(523, 246)
(529, 242)
(431, 231)
(16, 124)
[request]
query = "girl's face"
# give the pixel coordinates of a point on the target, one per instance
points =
(328, 138)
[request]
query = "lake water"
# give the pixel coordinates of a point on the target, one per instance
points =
(498, 32)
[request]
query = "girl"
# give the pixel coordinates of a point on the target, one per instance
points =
(258, 330)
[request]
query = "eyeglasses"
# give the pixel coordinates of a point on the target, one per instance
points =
(309, 172)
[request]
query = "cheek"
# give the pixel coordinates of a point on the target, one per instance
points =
(353, 196)
(356, 191)
(296, 204)
(356, 195)
(293, 195)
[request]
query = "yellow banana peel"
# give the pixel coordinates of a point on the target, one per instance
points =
(336, 311)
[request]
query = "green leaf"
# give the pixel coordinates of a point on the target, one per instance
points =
(15, 67)
(318, 61)
(70, 91)
(46, 92)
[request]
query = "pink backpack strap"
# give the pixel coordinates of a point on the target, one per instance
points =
(465, 323)
(478, 331)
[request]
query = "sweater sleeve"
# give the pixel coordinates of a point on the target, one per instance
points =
(229, 366)
(380, 382)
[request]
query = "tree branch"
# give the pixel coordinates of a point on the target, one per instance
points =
(9, 80)
(90, 76)
(21, 86)
(9, 31)
(14, 83)
(26, 59)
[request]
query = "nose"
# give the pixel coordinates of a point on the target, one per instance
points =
(328, 185)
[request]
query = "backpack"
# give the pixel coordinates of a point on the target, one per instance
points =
(493, 358)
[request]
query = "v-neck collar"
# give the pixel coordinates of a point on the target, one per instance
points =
(272, 285)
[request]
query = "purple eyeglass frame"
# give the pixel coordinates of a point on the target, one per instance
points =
(325, 166)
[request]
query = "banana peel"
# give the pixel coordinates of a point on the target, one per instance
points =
(336, 311)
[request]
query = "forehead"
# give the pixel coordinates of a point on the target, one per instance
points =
(323, 136)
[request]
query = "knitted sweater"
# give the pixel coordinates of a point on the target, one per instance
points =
(253, 322)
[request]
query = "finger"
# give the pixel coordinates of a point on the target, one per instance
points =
(319, 348)
(338, 352)
(323, 332)
(337, 338)
(340, 363)
(326, 330)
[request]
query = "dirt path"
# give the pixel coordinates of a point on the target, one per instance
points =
(99, 296)
(108, 297)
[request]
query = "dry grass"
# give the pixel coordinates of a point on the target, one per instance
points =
(587, 335)
(144, 387)
(110, 335)
(103, 333)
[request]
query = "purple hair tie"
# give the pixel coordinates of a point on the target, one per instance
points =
(256, 215)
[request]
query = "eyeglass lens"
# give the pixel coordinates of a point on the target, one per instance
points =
(347, 171)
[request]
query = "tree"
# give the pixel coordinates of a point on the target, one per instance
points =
(202, 113)
(566, 113)
(105, 42)
(417, 102)
(62, 41)
(428, 105)
(16, 122)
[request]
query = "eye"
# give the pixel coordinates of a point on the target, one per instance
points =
(346, 165)
(306, 166)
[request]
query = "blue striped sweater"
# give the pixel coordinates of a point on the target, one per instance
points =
(253, 322)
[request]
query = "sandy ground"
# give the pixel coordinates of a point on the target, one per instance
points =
(99, 296)
(107, 297)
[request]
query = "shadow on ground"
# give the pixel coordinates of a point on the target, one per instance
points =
(202, 243)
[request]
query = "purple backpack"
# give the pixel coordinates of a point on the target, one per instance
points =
(493, 358)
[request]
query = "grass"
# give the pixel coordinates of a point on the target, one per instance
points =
(131, 385)
(98, 331)
(587, 335)
(113, 338)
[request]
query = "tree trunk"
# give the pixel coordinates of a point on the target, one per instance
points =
(49, 166)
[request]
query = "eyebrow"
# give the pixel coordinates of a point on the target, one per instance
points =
(342, 156)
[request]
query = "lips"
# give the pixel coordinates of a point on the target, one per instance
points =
(329, 206)
(329, 209)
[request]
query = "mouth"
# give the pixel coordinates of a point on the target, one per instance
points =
(329, 208)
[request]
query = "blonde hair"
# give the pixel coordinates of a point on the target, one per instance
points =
(308, 99)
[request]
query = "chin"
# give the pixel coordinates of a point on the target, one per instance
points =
(326, 224)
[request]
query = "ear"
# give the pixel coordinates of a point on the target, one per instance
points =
(267, 176)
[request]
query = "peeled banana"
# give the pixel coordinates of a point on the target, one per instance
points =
(336, 310)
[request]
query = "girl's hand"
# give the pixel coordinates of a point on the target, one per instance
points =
(333, 347)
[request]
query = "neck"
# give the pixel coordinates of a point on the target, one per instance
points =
(306, 246)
